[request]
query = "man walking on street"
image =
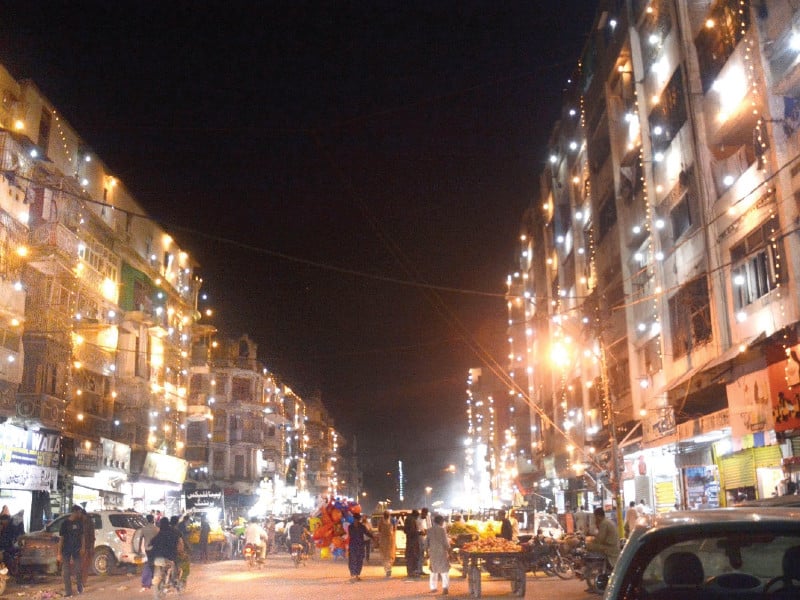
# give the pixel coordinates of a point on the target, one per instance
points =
(88, 545)
(386, 540)
(423, 524)
(70, 549)
(141, 542)
(439, 553)
(412, 543)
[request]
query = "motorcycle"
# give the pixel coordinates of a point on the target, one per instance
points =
(546, 556)
(299, 554)
(166, 578)
(252, 556)
(590, 566)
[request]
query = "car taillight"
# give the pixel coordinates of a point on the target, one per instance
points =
(122, 534)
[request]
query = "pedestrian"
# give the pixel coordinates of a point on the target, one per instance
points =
(631, 518)
(582, 520)
(423, 524)
(205, 530)
(88, 545)
(387, 542)
(439, 553)
(183, 563)
(70, 549)
(512, 517)
(141, 544)
(367, 538)
(356, 547)
(506, 530)
(412, 543)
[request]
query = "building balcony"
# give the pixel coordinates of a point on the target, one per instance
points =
(247, 437)
(42, 408)
(132, 392)
(49, 241)
(85, 424)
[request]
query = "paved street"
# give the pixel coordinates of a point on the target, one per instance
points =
(317, 580)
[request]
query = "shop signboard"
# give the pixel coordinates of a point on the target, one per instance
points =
(28, 459)
(86, 458)
(116, 456)
(658, 425)
(164, 467)
(784, 390)
(716, 421)
(749, 404)
(201, 499)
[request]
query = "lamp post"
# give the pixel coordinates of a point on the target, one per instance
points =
(428, 490)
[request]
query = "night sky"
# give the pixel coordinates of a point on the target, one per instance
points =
(325, 162)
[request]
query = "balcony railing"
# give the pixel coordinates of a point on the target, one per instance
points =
(87, 424)
(47, 410)
(50, 237)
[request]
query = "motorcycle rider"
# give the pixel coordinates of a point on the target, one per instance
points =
(257, 536)
(167, 544)
(606, 541)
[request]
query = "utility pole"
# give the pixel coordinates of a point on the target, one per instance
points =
(616, 487)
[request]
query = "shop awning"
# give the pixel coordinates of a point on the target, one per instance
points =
(711, 369)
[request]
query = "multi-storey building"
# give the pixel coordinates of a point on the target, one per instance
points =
(109, 307)
(235, 426)
(481, 476)
(112, 385)
(667, 236)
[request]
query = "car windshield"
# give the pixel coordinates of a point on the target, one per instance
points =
(727, 563)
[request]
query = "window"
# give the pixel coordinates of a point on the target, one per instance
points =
(756, 271)
(606, 218)
(669, 115)
(651, 356)
(731, 20)
(241, 390)
(238, 466)
(45, 123)
(681, 217)
(690, 317)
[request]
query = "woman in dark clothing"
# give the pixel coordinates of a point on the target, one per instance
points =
(357, 548)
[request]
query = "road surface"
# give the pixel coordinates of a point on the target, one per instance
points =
(318, 579)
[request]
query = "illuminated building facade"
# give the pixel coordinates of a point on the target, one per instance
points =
(666, 320)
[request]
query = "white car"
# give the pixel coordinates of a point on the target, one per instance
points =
(113, 531)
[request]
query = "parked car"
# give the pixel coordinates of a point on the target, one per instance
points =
(113, 543)
(720, 553)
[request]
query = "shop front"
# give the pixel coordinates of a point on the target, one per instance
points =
(694, 457)
(101, 488)
(156, 483)
(28, 472)
(750, 463)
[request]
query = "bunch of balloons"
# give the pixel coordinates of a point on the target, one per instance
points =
(332, 521)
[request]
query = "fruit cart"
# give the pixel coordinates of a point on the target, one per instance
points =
(508, 565)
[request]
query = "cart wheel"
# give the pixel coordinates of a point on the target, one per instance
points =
(474, 582)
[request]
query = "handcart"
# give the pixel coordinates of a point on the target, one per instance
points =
(508, 565)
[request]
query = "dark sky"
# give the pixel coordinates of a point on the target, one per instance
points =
(312, 154)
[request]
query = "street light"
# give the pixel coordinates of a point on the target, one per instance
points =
(428, 490)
